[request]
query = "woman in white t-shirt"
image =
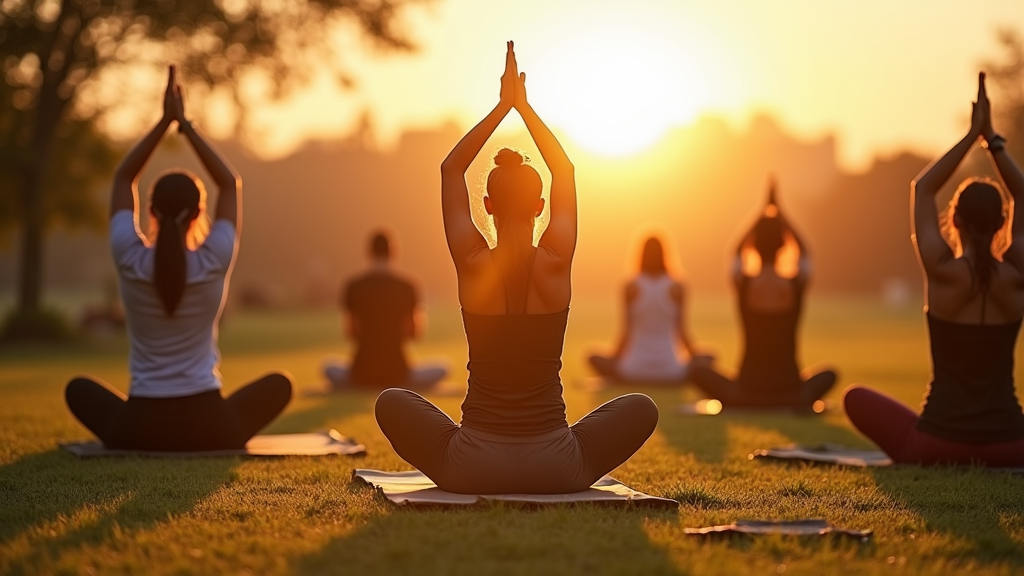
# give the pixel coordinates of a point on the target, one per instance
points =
(173, 291)
(655, 306)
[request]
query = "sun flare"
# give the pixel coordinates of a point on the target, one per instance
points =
(616, 99)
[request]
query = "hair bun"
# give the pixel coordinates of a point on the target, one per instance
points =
(508, 157)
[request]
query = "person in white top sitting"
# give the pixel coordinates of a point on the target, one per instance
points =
(173, 291)
(655, 305)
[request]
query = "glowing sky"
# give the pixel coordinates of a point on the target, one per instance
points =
(883, 75)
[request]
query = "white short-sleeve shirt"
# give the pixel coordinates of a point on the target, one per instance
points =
(172, 356)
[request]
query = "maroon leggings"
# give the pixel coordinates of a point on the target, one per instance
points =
(893, 426)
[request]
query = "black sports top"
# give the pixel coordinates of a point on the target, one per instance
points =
(971, 397)
(769, 366)
(382, 304)
(514, 359)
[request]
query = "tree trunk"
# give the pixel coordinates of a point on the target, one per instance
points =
(30, 284)
(49, 108)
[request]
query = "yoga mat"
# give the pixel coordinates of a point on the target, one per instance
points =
(842, 456)
(326, 443)
(808, 527)
(414, 489)
(712, 407)
(827, 454)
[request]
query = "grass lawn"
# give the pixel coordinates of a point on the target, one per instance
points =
(59, 515)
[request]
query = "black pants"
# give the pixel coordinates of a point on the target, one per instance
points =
(731, 393)
(204, 421)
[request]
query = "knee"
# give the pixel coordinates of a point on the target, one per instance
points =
(855, 397)
(641, 409)
(388, 405)
(77, 390)
(829, 377)
(279, 386)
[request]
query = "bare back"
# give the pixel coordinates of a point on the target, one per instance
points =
(768, 292)
(483, 289)
(952, 293)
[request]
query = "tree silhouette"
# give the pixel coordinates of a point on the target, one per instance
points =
(54, 53)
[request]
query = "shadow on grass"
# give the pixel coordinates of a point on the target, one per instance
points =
(321, 412)
(101, 498)
(497, 539)
(974, 505)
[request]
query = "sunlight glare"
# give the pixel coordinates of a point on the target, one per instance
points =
(617, 98)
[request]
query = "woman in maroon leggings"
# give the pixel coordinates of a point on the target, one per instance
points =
(974, 295)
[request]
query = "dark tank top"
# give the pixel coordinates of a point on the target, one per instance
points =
(971, 398)
(769, 366)
(514, 359)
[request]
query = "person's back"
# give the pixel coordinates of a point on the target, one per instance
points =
(770, 307)
(515, 299)
(172, 355)
(382, 304)
(650, 351)
(974, 295)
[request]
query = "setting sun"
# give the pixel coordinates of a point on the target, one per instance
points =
(617, 98)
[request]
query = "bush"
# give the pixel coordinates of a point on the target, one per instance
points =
(43, 325)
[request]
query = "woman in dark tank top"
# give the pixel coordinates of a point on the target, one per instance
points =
(770, 304)
(514, 437)
(974, 297)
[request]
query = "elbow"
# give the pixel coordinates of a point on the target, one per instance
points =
(451, 169)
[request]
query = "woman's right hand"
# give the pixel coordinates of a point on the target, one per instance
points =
(509, 79)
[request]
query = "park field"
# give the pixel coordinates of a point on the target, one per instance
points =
(61, 515)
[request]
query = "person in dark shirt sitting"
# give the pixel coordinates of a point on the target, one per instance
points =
(974, 302)
(381, 310)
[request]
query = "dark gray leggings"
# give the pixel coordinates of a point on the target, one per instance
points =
(205, 421)
(459, 459)
(731, 393)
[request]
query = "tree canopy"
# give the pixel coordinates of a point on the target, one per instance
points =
(58, 59)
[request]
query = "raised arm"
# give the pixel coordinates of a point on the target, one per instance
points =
(560, 236)
(463, 237)
(125, 191)
(1011, 176)
(229, 183)
(932, 249)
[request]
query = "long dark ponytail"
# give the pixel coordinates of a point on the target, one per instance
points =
(175, 203)
(977, 216)
(514, 188)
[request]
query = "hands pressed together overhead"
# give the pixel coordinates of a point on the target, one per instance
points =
(513, 82)
(174, 104)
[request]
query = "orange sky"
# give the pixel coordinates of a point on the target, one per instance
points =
(883, 75)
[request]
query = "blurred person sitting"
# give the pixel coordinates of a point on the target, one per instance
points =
(974, 304)
(174, 289)
(655, 322)
(770, 303)
(381, 310)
